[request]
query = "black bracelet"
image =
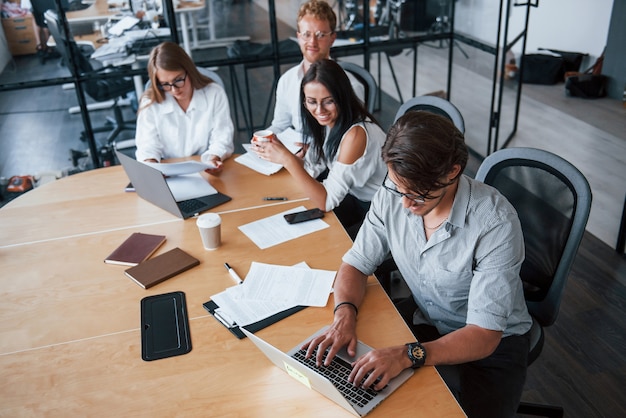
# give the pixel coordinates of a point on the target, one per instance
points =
(356, 310)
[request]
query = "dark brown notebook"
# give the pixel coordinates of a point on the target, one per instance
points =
(161, 267)
(137, 248)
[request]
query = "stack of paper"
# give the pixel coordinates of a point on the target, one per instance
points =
(270, 289)
(290, 138)
(184, 179)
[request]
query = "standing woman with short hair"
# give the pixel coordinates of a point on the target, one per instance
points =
(346, 143)
(182, 112)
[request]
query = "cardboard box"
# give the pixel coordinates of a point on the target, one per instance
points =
(20, 35)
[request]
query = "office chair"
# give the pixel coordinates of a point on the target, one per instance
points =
(552, 199)
(436, 105)
(364, 77)
(212, 75)
(100, 90)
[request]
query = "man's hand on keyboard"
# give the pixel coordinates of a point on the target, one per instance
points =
(384, 364)
(340, 334)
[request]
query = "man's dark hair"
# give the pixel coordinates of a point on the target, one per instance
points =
(422, 148)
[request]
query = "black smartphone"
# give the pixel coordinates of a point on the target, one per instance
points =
(307, 215)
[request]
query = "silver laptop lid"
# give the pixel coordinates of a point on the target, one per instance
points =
(321, 384)
(149, 184)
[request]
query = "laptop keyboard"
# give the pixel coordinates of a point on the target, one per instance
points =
(191, 205)
(337, 372)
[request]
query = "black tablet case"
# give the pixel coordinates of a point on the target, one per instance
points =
(256, 326)
(164, 326)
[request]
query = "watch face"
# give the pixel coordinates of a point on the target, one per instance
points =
(418, 352)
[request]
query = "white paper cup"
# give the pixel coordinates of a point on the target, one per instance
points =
(262, 136)
(209, 226)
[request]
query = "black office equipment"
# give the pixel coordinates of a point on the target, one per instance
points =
(211, 306)
(164, 326)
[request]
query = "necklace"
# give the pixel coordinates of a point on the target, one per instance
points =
(430, 228)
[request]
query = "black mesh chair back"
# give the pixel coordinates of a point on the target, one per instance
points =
(433, 104)
(553, 200)
(364, 77)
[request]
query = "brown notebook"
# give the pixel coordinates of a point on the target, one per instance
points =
(161, 267)
(137, 248)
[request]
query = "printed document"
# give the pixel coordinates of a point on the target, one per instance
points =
(189, 186)
(269, 289)
(183, 167)
(275, 230)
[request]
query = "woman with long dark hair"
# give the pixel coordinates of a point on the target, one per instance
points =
(340, 167)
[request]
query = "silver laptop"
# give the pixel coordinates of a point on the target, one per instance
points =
(151, 185)
(330, 381)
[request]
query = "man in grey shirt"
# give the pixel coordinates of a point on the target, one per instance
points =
(459, 246)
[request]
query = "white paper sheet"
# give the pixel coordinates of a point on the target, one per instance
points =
(251, 160)
(290, 138)
(181, 168)
(189, 186)
(275, 230)
(289, 285)
(269, 289)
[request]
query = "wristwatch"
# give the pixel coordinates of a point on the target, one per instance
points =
(417, 354)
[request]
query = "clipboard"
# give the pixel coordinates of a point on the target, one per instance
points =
(256, 326)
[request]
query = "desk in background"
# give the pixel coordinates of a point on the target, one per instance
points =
(69, 331)
(100, 10)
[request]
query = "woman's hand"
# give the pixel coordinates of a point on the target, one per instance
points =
(272, 150)
(302, 151)
(217, 162)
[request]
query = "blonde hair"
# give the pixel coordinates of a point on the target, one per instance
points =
(169, 56)
(320, 10)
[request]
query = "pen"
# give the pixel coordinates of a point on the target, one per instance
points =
(274, 198)
(233, 273)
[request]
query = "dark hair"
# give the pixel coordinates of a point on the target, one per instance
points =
(169, 56)
(350, 109)
(422, 148)
(320, 10)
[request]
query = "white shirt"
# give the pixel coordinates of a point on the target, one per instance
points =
(362, 178)
(164, 130)
(287, 108)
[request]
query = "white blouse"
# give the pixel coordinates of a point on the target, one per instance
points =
(362, 178)
(164, 130)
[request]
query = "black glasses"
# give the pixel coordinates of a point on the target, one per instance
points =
(417, 198)
(179, 83)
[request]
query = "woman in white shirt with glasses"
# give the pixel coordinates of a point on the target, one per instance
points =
(182, 112)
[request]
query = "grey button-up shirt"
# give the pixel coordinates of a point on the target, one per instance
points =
(467, 273)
